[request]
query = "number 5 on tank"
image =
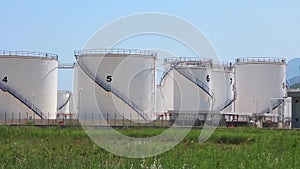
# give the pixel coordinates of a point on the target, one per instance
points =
(109, 78)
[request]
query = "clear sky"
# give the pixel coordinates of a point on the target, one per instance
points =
(236, 28)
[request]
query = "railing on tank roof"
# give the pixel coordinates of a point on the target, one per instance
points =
(260, 60)
(186, 59)
(115, 51)
(222, 65)
(197, 61)
(27, 53)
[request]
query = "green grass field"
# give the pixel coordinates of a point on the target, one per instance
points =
(55, 147)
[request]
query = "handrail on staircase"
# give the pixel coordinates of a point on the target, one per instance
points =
(22, 99)
(113, 90)
(196, 81)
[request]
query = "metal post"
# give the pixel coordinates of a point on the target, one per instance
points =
(79, 95)
(107, 122)
(93, 117)
(84, 118)
(79, 107)
(34, 118)
(123, 120)
(19, 118)
(27, 118)
(70, 119)
(186, 121)
(5, 118)
(130, 119)
(99, 119)
(77, 119)
(115, 119)
(194, 121)
(12, 117)
(256, 105)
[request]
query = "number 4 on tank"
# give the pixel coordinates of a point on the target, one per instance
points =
(5, 79)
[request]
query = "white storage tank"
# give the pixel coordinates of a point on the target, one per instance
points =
(63, 104)
(258, 81)
(223, 86)
(115, 83)
(186, 85)
(28, 84)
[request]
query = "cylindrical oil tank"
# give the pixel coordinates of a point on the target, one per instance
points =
(223, 86)
(63, 104)
(28, 84)
(115, 83)
(186, 85)
(258, 81)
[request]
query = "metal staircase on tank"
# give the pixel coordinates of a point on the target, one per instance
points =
(165, 73)
(190, 77)
(113, 90)
(199, 83)
(66, 102)
(195, 80)
(267, 110)
(22, 99)
(227, 102)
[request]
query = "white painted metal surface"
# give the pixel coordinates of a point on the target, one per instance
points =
(257, 81)
(63, 102)
(128, 77)
(187, 94)
(222, 80)
(32, 78)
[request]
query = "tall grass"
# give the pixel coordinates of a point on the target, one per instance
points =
(31, 147)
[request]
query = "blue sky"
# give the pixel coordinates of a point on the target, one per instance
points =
(236, 28)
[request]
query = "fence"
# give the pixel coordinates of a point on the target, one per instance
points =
(96, 119)
(109, 119)
(117, 120)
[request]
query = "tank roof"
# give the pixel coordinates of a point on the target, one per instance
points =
(246, 60)
(115, 52)
(28, 54)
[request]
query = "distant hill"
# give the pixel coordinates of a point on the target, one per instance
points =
(294, 80)
(295, 86)
(293, 73)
